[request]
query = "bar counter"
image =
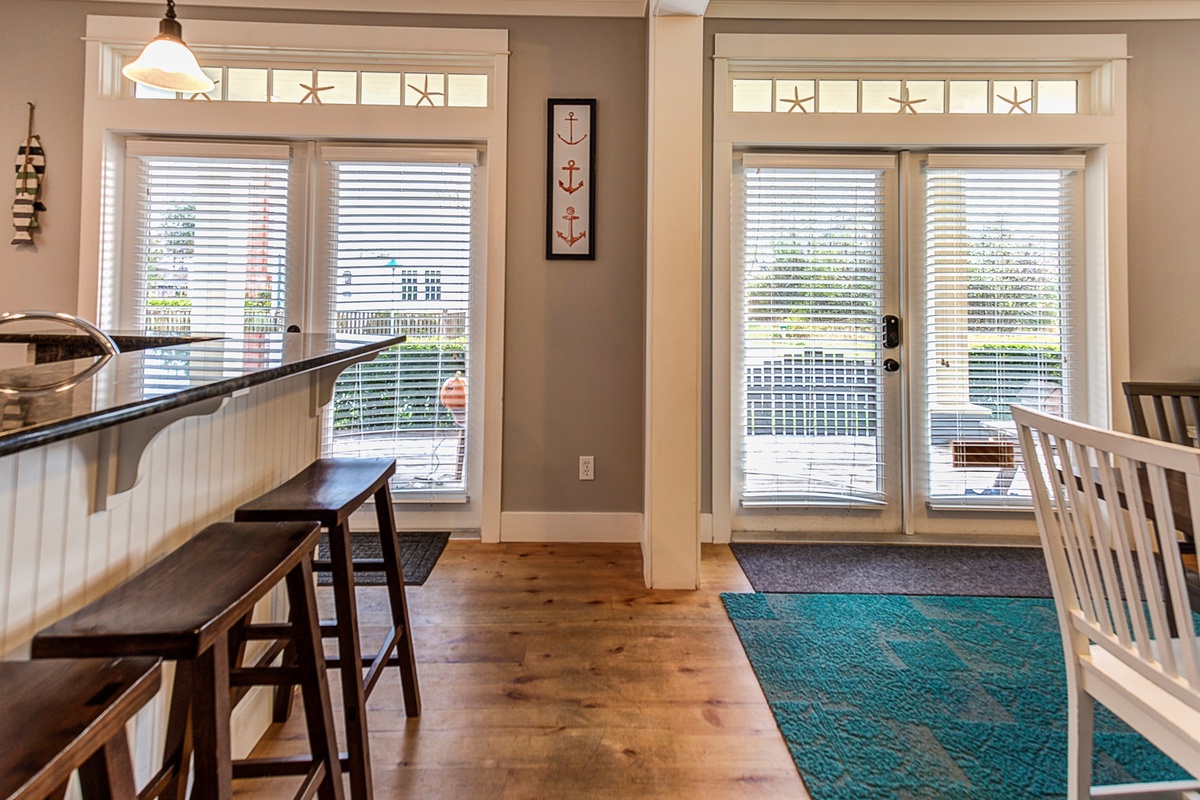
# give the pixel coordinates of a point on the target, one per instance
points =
(105, 472)
(145, 382)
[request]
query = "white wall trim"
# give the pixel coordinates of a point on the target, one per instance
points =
(860, 53)
(677, 8)
(1101, 132)
(1002, 10)
(533, 8)
(109, 116)
(570, 526)
(674, 169)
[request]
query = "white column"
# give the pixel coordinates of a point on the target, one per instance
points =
(670, 541)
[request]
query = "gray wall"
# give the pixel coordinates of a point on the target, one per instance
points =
(574, 330)
(573, 377)
(1164, 179)
(1164, 169)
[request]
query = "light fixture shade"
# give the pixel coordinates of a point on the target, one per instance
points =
(166, 63)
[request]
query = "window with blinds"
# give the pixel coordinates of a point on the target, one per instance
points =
(813, 254)
(401, 238)
(999, 259)
(209, 237)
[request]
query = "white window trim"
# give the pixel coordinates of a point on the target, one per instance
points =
(1102, 132)
(109, 117)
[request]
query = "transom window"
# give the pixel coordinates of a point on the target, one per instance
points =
(976, 94)
(274, 225)
(241, 83)
(868, 338)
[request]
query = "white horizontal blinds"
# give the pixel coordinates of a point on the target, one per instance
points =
(813, 241)
(402, 235)
(1000, 236)
(210, 237)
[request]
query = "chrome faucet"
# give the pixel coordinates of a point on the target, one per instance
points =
(103, 339)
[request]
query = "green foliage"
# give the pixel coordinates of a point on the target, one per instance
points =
(999, 372)
(170, 246)
(803, 291)
(399, 389)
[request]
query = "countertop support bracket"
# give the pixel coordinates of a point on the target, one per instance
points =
(326, 378)
(121, 446)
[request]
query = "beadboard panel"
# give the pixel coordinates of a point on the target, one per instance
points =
(59, 553)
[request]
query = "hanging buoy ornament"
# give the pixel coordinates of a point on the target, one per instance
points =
(454, 397)
(31, 170)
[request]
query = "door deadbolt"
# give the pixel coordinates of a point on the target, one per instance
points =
(891, 332)
(890, 365)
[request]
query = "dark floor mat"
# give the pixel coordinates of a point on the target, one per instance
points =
(895, 569)
(419, 552)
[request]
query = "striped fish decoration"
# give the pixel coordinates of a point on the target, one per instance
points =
(31, 170)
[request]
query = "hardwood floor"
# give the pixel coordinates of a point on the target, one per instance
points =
(550, 671)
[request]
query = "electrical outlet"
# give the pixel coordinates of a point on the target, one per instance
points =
(587, 468)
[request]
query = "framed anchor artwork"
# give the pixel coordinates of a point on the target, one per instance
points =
(570, 179)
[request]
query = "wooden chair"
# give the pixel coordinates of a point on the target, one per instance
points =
(1174, 410)
(59, 716)
(328, 491)
(187, 607)
(1120, 653)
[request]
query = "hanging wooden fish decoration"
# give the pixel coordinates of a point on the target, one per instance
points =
(31, 172)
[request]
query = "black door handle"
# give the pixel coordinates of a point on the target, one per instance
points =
(890, 365)
(891, 332)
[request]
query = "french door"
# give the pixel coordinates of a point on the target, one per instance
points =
(887, 309)
(820, 393)
(218, 241)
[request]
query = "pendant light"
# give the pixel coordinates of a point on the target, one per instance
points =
(166, 63)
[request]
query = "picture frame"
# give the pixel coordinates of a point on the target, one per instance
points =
(570, 179)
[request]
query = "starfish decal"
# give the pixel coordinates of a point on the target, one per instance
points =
(313, 93)
(425, 93)
(796, 101)
(198, 95)
(905, 103)
(1014, 104)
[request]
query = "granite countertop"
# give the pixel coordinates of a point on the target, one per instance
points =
(137, 384)
(58, 344)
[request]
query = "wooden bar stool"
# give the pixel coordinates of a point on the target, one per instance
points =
(59, 716)
(185, 608)
(329, 491)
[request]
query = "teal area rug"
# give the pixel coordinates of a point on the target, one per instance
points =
(926, 698)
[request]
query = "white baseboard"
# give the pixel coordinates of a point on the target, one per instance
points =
(706, 528)
(538, 526)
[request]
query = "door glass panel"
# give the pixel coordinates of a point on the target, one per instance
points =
(811, 300)
(998, 307)
(402, 242)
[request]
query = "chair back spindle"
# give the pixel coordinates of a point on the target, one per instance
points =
(1117, 578)
(1165, 411)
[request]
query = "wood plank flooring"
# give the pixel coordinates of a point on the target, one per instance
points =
(550, 671)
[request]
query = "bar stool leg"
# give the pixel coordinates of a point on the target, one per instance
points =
(350, 659)
(178, 747)
(398, 601)
(309, 658)
(108, 773)
(213, 752)
(281, 707)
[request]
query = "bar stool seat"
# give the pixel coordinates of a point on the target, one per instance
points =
(63, 715)
(328, 491)
(185, 608)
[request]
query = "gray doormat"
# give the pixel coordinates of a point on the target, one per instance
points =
(895, 569)
(418, 554)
